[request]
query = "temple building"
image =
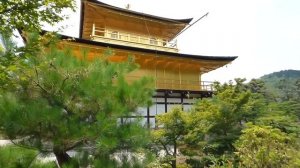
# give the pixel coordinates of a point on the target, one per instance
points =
(150, 39)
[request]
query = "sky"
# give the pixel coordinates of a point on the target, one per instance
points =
(264, 34)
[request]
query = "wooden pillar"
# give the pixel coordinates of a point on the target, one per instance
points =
(181, 99)
(166, 102)
(148, 117)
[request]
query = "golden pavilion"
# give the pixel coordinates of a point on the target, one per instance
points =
(151, 40)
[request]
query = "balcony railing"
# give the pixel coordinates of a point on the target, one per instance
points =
(174, 84)
(135, 40)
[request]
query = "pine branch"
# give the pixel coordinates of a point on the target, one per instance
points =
(76, 144)
(22, 146)
(63, 83)
(28, 147)
(51, 97)
(33, 159)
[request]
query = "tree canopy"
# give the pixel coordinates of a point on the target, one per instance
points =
(242, 125)
(29, 15)
(264, 146)
(65, 103)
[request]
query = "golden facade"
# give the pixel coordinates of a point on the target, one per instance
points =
(150, 39)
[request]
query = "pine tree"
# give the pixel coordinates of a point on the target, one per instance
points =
(64, 103)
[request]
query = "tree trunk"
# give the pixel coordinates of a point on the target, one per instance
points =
(174, 155)
(62, 157)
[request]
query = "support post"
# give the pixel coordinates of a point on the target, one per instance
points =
(93, 31)
(148, 117)
(181, 99)
(166, 102)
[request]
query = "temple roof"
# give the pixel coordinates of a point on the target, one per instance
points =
(150, 51)
(184, 21)
(96, 11)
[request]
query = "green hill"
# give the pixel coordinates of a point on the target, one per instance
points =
(284, 85)
(287, 74)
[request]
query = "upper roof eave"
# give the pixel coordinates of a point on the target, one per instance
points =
(176, 21)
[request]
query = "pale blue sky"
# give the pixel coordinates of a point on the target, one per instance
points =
(265, 34)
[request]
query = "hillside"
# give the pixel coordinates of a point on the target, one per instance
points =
(287, 74)
(283, 85)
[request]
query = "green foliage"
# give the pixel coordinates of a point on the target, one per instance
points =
(213, 134)
(17, 157)
(264, 146)
(66, 103)
(260, 88)
(283, 116)
(170, 132)
(171, 125)
(217, 122)
(29, 15)
(283, 74)
(26, 16)
(11, 156)
(9, 63)
(284, 85)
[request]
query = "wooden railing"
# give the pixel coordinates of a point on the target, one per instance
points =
(110, 34)
(174, 84)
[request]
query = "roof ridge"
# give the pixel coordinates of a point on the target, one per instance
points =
(182, 21)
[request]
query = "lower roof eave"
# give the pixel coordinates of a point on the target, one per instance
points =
(150, 51)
